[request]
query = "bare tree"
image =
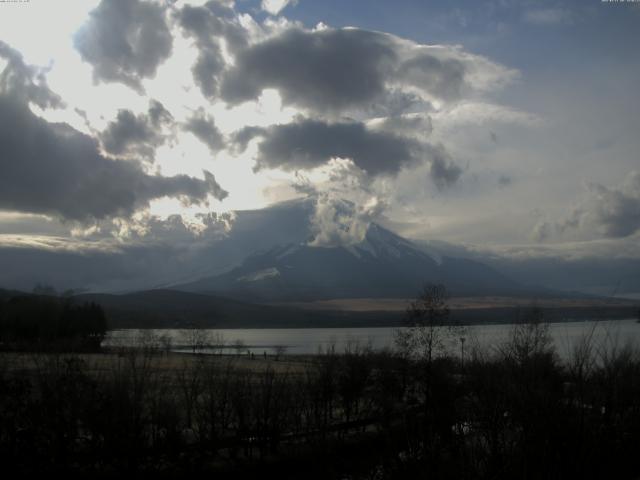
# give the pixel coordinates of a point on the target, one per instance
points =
(196, 338)
(218, 342)
(530, 337)
(167, 343)
(239, 345)
(147, 341)
(279, 350)
(427, 324)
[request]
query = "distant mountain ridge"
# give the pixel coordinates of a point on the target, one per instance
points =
(165, 308)
(175, 309)
(383, 264)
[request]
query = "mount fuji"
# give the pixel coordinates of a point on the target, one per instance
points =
(382, 265)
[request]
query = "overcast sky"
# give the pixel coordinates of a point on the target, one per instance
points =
(509, 127)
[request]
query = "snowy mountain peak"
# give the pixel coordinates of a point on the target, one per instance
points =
(380, 242)
(383, 264)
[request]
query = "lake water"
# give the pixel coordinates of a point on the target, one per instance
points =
(310, 340)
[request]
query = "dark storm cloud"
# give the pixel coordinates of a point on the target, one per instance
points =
(125, 41)
(613, 212)
(332, 70)
(323, 70)
(616, 211)
(23, 82)
(139, 135)
(125, 131)
(204, 128)
(306, 144)
(206, 70)
(444, 78)
(158, 115)
(242, 137)
(213, 21)
(207, 25)
(54, 169)
(412, 124)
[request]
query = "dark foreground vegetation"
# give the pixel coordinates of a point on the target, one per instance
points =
(516, 412)
(45, 322)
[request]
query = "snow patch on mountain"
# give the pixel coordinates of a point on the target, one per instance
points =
(260, 275)
(287, 251)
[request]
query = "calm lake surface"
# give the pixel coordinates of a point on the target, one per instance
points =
(311, 340)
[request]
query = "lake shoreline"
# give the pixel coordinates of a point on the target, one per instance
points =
(309, 341)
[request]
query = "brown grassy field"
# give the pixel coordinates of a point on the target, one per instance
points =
(171, 362)
(456, 303)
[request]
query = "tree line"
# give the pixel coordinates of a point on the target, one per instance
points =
(46, 322)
